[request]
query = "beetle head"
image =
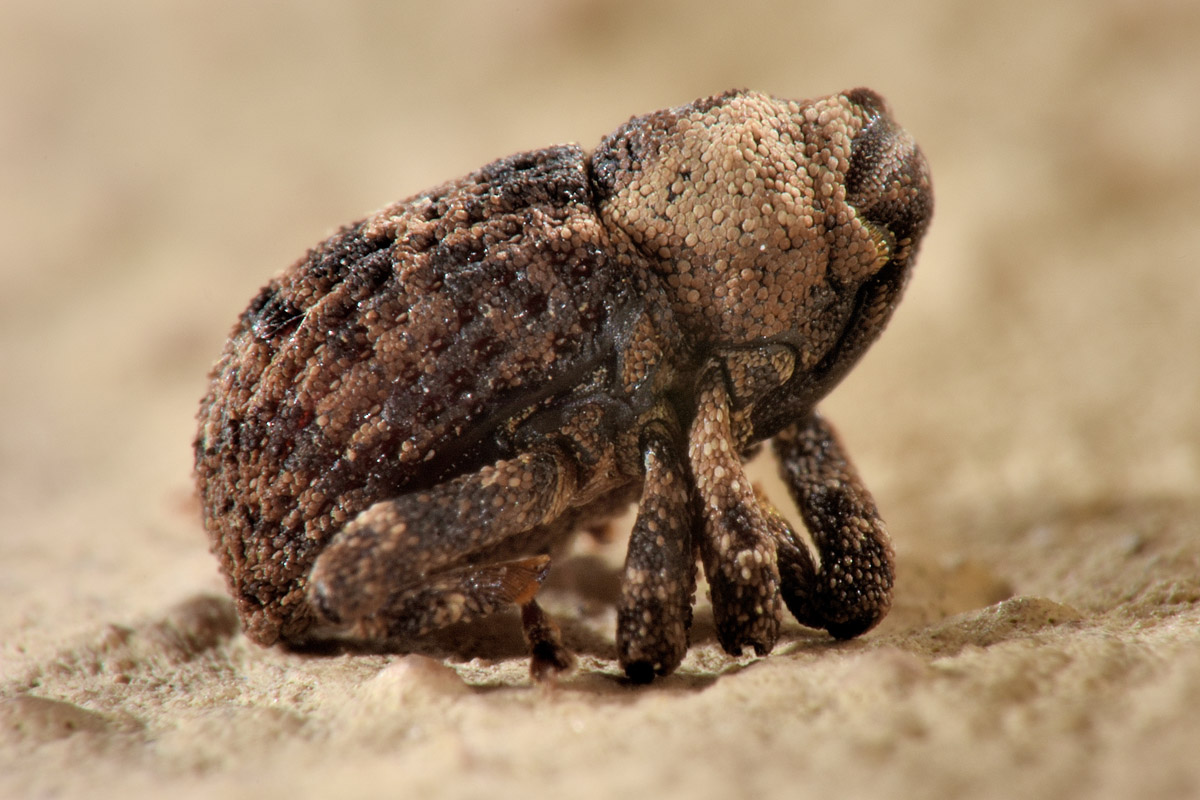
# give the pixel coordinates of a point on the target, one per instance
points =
(767, 218)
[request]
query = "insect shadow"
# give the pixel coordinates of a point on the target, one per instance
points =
(581, 592)
(577, 592)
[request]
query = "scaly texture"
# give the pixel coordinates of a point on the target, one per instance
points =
(409, 419)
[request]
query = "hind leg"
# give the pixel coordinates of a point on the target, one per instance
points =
(404, 566)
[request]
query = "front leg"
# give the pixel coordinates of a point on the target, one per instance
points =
(851, 590)
(736, 541)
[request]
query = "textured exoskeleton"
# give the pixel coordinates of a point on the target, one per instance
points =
(406, 423)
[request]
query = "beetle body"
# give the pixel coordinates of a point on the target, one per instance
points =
(406, 423)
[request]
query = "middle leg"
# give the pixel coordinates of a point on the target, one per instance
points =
(654, 612)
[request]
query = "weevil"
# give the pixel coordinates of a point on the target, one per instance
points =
(407, 425)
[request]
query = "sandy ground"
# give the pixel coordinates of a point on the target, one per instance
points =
(1029, 424)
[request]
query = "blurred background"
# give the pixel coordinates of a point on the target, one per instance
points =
(159, 161)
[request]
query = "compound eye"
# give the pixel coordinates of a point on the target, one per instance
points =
(872, 155)
(888, 183)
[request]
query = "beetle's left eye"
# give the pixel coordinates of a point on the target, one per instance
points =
(888, 183)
